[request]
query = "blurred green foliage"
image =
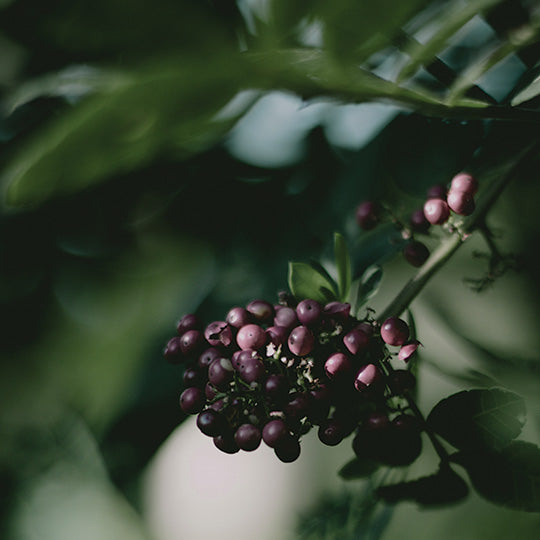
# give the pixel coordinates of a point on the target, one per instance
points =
(123, 207)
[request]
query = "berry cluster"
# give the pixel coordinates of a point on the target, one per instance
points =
(272, 372)
(436, 211)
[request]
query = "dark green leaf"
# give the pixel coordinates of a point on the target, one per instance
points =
(343, 264)
(358, 468)
(489, 418)
(306, 282)
(168, 107)
(369, 284)
(444, 487)
(510, 477)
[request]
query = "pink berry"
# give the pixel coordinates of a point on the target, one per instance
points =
(337, 365)
(356, 341)
(394, 331)
(464, 182)
(460, 202)
(436, 211)
(368, 376)
(251, 336)
(301, 341)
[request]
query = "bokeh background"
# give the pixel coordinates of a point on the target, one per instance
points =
(144, 176)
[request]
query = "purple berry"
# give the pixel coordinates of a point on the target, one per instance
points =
(368, 215)
(192, 400)
(252, 370)
(376, 421)
(356, 341)
(301, 341)
(286, 317)
(465, 183)
(365, 327)
(408, 350)
(238, 317)
(261, 310)
(220, 373)
(288, 450)
(209, 391)
(401, 381)
(214, 331)
(251, 336)
(191, 342)
(226, 443)
(298, 406)
(460, 202)
(309, 312)
(188, 322)
(274, 432)
(276, 388)
(205, 359)
(369, 376)
(173, 351)
(338, 310)
(194, 377)
(416, 253)
(394, 331)
(438, 191)
(319, 406)
(418, 222)
(210, 422)
(331, 432)
(277, 335)
(248, 437)
(337, 366)
(239, 357)
(436, 211)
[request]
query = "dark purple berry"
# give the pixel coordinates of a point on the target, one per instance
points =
(416, 253)
(288, 450)
(173, 351)
(277, 335)
(220, 373)
(286, 317)
(436, 211)
(356, 341)
(252, 370)
(248, 437)
(191, 342)
(394, 331)
(205, 359)
(251, 336)
(309, 312)
(438, 191)
(368, 215)
(418, 222)
(238, 317)
(298, 406)
(460, 202)
(188, 322)
(338, 366)
(194, 377)
(331, 432)
(407, 422)
(319, 404)
(274, 432)
(408, 350)
(337, 310)
(192, 400)
(226, 443)
(369, 376)
(209, 391)
(276, 388)
(213, 331)
(365, 327)
(376, 421)
(261, 310)
(240, 357)
(301, 341)
(401, 381)
(218, 405)
(210, 422)
(465, 183)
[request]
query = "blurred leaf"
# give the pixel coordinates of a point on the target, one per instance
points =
(343, 265)
(369, 284)
(356, 468)
(510, 477)
(307, 282)
(489, 418)
(527, 93)
(166, 108)
(451, 18)
(444, 487)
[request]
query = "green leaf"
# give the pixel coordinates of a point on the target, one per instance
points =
(343, 265)
(356, 468)
(307, 282)
(527, 93)
(444, 487)
(166, 108)
(369, 284)
(489, 418)
(510, 477)
(450, 19)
